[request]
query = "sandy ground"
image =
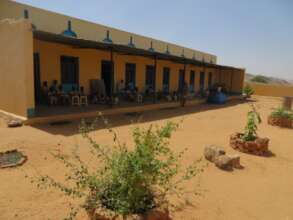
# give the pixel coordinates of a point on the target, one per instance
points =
(262, 190)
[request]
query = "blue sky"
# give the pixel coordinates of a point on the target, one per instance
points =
(255, 34)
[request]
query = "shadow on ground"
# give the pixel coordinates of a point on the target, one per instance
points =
(68, 128)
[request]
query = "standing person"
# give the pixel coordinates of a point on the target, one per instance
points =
(184, 94)
(45, 93)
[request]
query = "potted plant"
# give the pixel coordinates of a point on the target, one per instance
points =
(248, 91)
(281, 117)
(128, 182)
(249, 142)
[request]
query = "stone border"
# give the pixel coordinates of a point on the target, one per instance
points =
(258, 147)
(19, 163)
(280, 122)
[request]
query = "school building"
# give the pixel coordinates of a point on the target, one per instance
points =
(39, 45)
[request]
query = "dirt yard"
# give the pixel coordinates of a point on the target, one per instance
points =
(262, 190)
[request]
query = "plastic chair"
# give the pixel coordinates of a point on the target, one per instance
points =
(83, 100)
(139, 98)
(75, 100)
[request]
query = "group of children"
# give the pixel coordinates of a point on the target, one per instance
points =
(55, 95)
(129, 92)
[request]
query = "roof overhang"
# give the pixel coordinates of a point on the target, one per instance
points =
(121, 49)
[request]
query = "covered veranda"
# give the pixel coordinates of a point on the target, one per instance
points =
(223, 75)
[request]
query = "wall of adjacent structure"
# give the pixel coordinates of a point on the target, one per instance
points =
(272, 90)
(233, 79)
(90, 66)
(16, 67)
(57, 23)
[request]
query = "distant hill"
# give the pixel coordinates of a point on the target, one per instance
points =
(267, 80)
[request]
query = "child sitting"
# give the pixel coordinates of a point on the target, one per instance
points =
(63, 97)
(52, 96)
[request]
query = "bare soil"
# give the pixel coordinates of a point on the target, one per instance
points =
(262, 190)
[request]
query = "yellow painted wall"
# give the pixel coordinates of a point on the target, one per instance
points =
(233, 79)
(90, 66)
(16, 67)
(272, 90)
(57, 23)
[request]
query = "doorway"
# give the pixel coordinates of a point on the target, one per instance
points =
(210, 80)
(130, 76)
(150, 78)
(192, 81)
(37, 78)
(107, 74)
(181, 80)
(166, 80)
(202, 80)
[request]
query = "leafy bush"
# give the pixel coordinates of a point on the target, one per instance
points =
(282, 113)
(248, 90)
(260, 79)
(253, 118)
(128, 181)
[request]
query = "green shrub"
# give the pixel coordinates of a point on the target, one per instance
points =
(260, 79)
(128, 181)
(282, 113)
(253, 118)
(248, 90)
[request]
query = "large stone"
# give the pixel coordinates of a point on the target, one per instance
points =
(14, 123)
(224, 162)
(235, 161)
(212, 152)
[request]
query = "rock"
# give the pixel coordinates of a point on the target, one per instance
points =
(212, 152)
(235, 161)
(224, 162)
(14, 123)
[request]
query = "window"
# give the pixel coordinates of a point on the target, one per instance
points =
(69, 70)
(192, 81)
(130, 75)
(150, 77)
(181, 80)
(166, 79)
(202, 80)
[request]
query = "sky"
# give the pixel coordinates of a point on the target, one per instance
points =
(253, 34)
